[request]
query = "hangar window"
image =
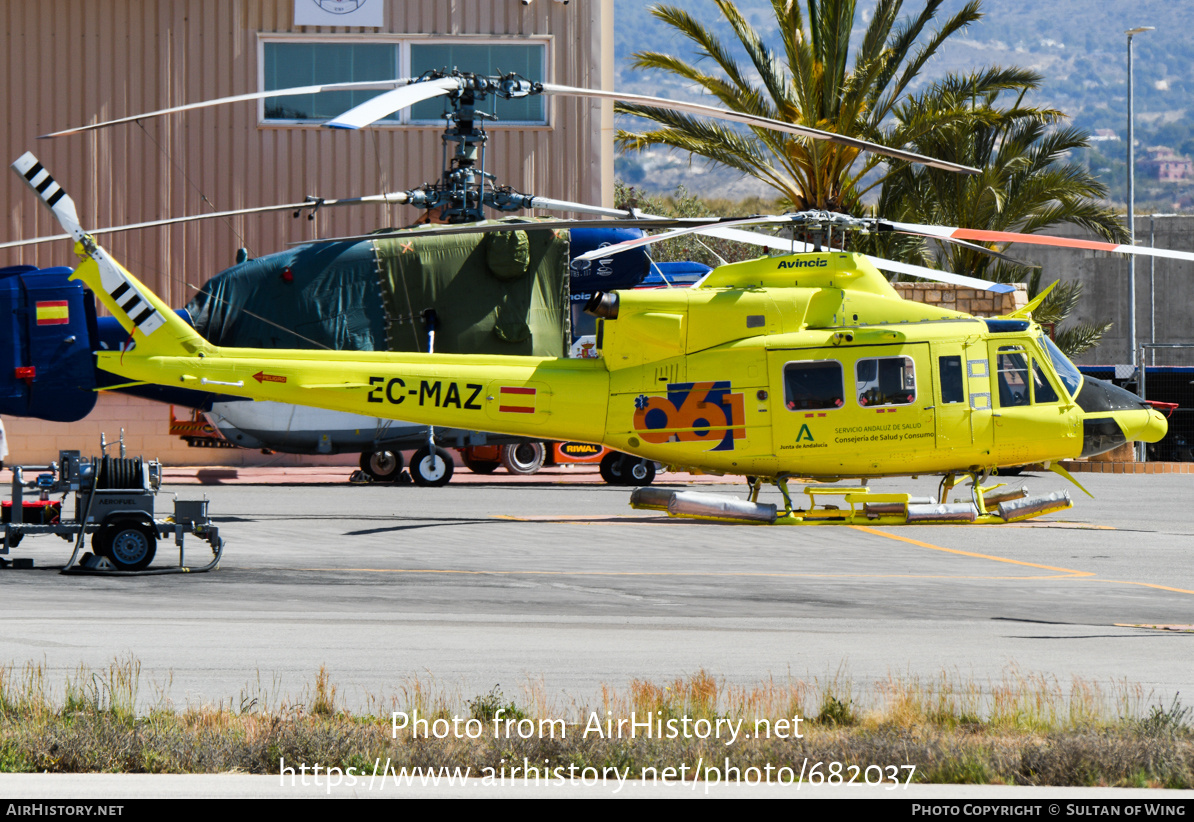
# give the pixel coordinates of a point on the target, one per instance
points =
(885, 381)
(292, 61)
(813, 385)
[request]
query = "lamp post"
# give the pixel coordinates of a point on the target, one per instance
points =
(1132, 200)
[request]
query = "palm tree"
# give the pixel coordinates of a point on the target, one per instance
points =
(1026, 185)
(811, 83)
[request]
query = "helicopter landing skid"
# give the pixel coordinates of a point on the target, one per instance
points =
(856, 505)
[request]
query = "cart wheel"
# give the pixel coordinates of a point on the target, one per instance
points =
(130, 544)
(431, 469)
(14, 537)
(523, 457)
(638, 471)
(383, 466)
(611, 468)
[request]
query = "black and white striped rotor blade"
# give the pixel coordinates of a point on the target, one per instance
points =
(29, 169)
(120, 288)
(279, 92)
(383, 105)
(762, 122)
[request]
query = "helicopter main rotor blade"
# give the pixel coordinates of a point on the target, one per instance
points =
(395, 198)
(383, 105)
(762, 122)
(985, 236)
(678, 232)
(537, 225)
(796, 247)
(358, 86)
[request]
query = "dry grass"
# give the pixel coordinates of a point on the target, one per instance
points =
(1021, 729)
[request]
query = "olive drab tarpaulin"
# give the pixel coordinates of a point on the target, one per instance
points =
(497, 293)
(312, 296)
(503, 293)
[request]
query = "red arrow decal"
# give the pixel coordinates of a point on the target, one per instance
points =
(261, 376)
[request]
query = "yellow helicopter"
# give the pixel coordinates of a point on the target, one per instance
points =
(806, 365)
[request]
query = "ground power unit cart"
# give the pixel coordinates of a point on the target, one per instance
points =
(113, 502)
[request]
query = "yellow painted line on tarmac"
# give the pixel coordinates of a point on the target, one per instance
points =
(715, 574)
(1180, 629)
(1148, 585)
(1069, 572)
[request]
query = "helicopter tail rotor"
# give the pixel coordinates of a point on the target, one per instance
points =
(139, 310)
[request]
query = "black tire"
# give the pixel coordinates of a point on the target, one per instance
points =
(129, 544)
(636, 471)
(523, 458)
(431, 469)
(383, 466)
(478, 466)
(611, 468)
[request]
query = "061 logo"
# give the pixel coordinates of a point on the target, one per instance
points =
(692, 412)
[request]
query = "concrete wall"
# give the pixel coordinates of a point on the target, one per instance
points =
(1105, 279)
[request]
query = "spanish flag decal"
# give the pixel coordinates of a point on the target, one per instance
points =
(55, 312)
(516, 400)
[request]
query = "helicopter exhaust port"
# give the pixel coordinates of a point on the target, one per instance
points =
(603, 304)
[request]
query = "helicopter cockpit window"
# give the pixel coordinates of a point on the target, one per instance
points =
(813, 385)
(1070, 376)
(1012, 368)
(1042, 391)
(885, 381)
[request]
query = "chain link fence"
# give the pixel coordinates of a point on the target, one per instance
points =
(1169, 378)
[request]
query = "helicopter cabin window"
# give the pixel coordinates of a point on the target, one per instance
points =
(289, 62)
(953, 389)
(813, 385)
(885, 381)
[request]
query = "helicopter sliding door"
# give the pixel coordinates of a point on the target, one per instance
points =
(853, 410)
(963, 398)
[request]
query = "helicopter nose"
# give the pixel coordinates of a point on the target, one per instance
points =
(1115, 416)
(1151, 430)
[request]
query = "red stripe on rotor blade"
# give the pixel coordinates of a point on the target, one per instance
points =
(1030, 239)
